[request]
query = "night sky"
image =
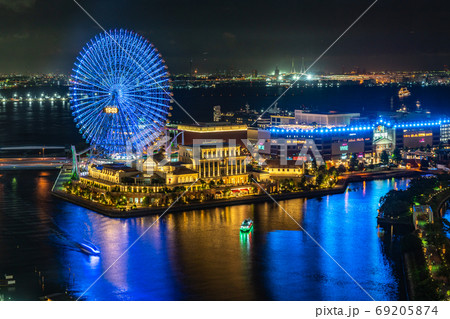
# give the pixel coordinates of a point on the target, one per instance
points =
(46, 35)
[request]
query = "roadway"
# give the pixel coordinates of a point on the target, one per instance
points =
(32, 162)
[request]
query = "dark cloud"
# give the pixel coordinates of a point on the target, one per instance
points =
(229, 36)
(46, 35)
(17, 5)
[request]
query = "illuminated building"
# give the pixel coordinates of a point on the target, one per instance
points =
(111, 173)
(383, 139)
(197, 134)
(367, 141)
(110, 177)
(417, 134)
(279, 120)
(324, 119)
(218, 161)
(173, 173)
(333, 144)
(279, 170)
(177, 175)
(445, 133)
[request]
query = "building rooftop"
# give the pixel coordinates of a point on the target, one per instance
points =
(212, 127)
(184, 171)
(99, 181)
(277, 163)
(211, 145)
(117, 167)
(326, 113)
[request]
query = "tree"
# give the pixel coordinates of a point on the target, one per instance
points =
(342, 169)
(353, 161)
(302, 183)
(333, 171)
(146, 201)
(322, 169)
(397, 155)
(384, 158)
(314, 164)
(320, 177)
(395, 203)
(424, 163)
(361, 166)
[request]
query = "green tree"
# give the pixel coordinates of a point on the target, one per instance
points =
(384, 158)
(146, 201)
(424, 163)
(342, 169)
(361, 166)
(333, 171)
(397, 155)
(353, 161)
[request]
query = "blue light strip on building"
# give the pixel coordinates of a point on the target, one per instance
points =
(360, 128)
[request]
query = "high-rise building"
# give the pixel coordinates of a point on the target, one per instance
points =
(277, 72)
(445, 133)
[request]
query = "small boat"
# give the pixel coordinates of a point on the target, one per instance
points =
(247, 225)
(404, 92)
(89, 248)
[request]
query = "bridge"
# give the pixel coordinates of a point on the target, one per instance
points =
(41, 162)
(34, 162)
(32, 147)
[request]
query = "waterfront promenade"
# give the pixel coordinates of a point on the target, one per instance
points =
(340, 187)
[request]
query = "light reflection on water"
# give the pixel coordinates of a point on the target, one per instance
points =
(199, 254)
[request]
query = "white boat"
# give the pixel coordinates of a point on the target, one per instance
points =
(89, 248)
(247, 225)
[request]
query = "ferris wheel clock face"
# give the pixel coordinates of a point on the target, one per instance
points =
(120, 93)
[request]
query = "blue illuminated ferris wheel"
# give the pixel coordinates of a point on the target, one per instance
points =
(120, 93)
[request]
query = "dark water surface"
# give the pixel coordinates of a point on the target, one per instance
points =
(52, 123)
(197, 255)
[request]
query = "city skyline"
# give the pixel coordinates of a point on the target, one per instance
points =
(395, 35)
